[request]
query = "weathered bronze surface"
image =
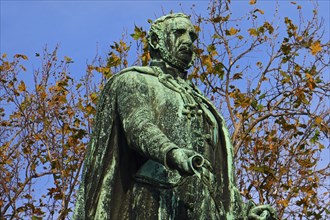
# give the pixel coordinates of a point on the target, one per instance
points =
(160, 149)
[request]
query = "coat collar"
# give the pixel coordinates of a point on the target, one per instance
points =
(167, 69)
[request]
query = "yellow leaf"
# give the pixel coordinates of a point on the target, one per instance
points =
(197, 28)
(21, 87)
(62, 99)
(43, 95)
(252, 2)
(253, 32)
(90, 109)
(70, 113)
(284, 202)
(90, 68)
(21, 56)
(93, 96)
(23, 68)
(260, 11)
(68, 59)
(231, 31)
(315, 47)
(318, 120)
(206, 60)
(4, 56)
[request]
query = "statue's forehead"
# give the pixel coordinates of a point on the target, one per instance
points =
(179, 23)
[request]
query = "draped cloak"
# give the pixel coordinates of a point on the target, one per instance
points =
(142, 114)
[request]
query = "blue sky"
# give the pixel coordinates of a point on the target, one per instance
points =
(79, 27)
(82, 27)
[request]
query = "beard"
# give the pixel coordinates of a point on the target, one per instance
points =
(182, 58)
(185, 54)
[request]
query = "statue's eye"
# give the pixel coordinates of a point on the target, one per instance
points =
(193, 36)
(179, 32)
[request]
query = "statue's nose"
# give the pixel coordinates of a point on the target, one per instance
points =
(186, 39)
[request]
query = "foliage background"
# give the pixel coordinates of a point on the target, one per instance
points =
(48, 94)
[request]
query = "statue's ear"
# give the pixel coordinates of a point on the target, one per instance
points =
(154, 40)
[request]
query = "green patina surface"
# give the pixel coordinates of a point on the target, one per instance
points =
(160, 149)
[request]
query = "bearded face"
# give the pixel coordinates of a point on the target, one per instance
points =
(175, 42)
(179, 37)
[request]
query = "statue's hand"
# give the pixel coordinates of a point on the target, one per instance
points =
(262, 212)
(179, 159)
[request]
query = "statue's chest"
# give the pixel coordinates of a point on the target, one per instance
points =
(185, 117)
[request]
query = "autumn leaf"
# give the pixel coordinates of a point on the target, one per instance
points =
(231, 31)
(237, 76)
(206, 60)
(269, 27)
(68, 59)
(138, 33)
(315, 47)
(260, 11)
(93, 97)
(252, 2)
(240, 37)
(21, 87)
(283, 202)
(197, 28)
(253, 32)
(21, 56)
(23, 68)
(318, 120)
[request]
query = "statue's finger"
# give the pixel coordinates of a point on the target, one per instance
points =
(208, 165)
(270, 209)
(265, 214)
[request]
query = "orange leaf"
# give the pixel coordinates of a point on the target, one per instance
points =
(21, 56)
(318, 120)
(231, 31)
(197, 28)
(284, 202)
(252, 2)
(260, 11)
(253, 32)
(22, 87)
(315, 47)
(23, 68)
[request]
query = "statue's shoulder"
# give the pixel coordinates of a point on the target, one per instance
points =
(134, 75)
(136, 72)
(145, 70)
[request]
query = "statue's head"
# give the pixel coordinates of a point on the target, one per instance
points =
(171, 39)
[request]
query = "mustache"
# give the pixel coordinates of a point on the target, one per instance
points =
(186, 48)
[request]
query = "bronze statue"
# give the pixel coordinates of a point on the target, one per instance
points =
(160, 149)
